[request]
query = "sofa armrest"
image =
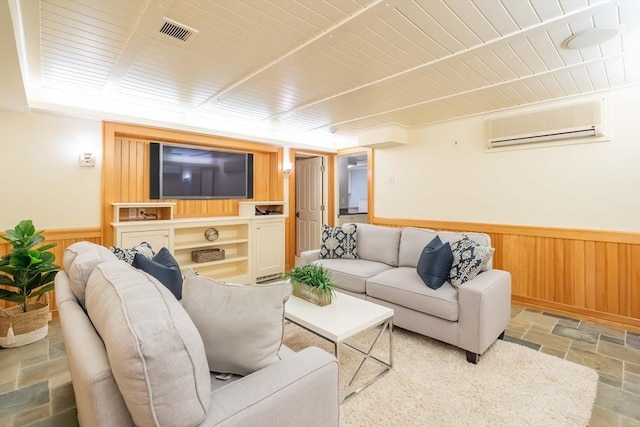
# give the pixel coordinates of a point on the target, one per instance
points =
(307, 257)
(484, 309)
(300, 390)
(98, 399)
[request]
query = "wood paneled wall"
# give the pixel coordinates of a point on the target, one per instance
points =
(585, 273)
(125, 176)
(64, 238)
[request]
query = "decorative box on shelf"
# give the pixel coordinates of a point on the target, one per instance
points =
(207, 255)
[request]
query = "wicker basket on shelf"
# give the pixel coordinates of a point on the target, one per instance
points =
(207, 255)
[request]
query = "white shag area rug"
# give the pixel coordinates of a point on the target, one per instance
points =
(432, 384)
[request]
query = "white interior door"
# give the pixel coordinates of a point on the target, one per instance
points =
(309, 203)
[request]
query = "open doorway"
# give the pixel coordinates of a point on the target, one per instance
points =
(353, 186)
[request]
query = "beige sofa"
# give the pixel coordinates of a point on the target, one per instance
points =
(385, 273)
(299, 389)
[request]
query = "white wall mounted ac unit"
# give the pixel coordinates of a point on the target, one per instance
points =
(583, 120)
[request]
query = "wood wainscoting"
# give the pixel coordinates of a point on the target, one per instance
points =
(587, 274)
(64, 238)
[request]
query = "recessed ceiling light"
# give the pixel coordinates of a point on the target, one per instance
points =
(591, 37)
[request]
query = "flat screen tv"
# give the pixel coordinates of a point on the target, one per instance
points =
(199, 173)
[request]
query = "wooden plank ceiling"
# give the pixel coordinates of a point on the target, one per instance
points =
(326, 65)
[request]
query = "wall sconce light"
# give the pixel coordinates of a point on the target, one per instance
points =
(87, 160)
(287, 167)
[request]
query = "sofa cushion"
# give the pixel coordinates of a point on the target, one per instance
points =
(163, 267)
(79, 260)
(339, 242)
(241, 326)
(469, 258)
(128, 254)
(435, 263)
(412, 241)
(154, 349)
(377, 243)
(352, 274)
(403, 286)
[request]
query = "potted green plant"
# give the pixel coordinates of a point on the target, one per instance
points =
(311, 282)
(25, 272)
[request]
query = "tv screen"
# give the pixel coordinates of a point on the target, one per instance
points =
(199, 173)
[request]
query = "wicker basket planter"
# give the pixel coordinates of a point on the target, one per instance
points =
(311, 294)
(18, 328)
(27, 271)
(207, 255)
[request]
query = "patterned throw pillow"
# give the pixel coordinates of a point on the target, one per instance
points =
(469, 258)
(127, 255)
(339, 242)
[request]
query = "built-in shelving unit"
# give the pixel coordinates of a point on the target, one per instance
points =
(267, 232)
(232, 238)
(264, 208)
(253, 242)
(125, 212)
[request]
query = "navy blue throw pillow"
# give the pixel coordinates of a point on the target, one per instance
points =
(163, 267)
(435, 262)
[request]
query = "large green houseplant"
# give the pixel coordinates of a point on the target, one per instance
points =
(312, 282)
(26, 272)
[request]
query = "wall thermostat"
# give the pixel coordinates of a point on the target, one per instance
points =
(87, 160)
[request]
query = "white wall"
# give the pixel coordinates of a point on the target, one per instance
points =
(40, 176)
(590, 186)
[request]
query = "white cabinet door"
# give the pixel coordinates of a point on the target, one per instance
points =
(156, 238)
(269, 248)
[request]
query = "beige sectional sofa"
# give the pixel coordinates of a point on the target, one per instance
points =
(471, 318)
(136, 358)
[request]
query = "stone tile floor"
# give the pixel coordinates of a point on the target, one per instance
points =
(35, 385)
(614, 353)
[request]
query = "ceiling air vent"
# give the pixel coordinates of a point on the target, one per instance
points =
(177, 31)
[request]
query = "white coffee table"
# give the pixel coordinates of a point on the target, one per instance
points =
(340, 320)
